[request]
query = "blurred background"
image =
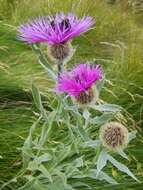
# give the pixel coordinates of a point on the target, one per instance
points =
(116, 43)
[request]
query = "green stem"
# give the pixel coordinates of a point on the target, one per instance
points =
(60, 67)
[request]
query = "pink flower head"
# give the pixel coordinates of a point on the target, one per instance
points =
(80, 79)
(56, 29)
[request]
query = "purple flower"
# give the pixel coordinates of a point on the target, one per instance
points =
(79, 80)
(56, 29)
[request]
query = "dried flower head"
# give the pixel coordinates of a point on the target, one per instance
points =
(79, 83)
(114, 136)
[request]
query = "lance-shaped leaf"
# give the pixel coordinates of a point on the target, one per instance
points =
(92, 143)
(132, 135)
(38, 101)
(92, 173)
(122, 153)
(45, 133)
(45, 172)
(86, 114)
(107, 108)
(102, 161)
(44, 158)
(100, 84)
(121, 167)
(43, 61)
(102, 176)
(104, 118)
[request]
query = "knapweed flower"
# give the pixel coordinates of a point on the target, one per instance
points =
(57, 31)
(114, 136)
(79, 83)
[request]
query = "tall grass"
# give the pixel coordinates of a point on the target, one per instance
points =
(116, 43)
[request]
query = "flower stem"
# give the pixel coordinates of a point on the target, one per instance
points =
(60, 67)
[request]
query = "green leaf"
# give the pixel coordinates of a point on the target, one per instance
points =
(81, 184)
(61, 175)
(123, 154)
(37, 100)
(27, 152)
(132, 135)
(37, 97)
(92, 173)
(107, 107)
(103, 176)
(105, 117)
(71, 134)
(45, 172)
(65, 151)
(28, 185)
(44, 158)
(86, 114)
(47, 128)
(33, 165)
(83, 133)
(121, 167)
(92, 143)
(78, 162)
(102, 161)
(43, 61)
(100, 84)
(38, 186)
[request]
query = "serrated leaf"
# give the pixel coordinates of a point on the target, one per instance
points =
(121, 167)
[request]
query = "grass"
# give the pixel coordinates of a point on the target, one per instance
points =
(116, 43)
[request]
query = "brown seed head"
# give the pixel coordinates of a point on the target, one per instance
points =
(114, 136)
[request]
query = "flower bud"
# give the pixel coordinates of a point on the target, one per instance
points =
(114, 136)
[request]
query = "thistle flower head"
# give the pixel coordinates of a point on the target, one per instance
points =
(114, 136)
(79, 82)
(57, 29)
